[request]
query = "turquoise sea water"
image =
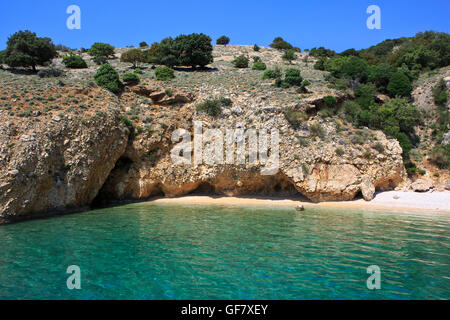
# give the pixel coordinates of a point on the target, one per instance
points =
(147, 251)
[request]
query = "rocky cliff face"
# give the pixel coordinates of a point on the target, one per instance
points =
(57, 163)
(336, 163)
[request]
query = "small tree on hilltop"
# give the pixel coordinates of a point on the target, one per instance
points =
(25, 49)
(223, 40)
(99, 49)
(194, 50)
(280, 44)
(289, 55)
(143, 44)
(185, 50)
(133, 56)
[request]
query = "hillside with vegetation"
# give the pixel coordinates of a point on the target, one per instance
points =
(90, 126)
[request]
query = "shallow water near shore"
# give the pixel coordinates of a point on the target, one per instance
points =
(164, 251)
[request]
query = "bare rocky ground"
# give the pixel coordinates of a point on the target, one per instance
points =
(65, 145)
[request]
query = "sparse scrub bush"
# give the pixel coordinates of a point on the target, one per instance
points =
(289, 55)
(100, 60)
(74, 62)
(317, 130)
(164, 73)
(256, 48)
(213, 107)
(293, 77)
(50, 73)
(330, 101)
(294, 117)
(273, 74)
(240, 62)
(130, 78)
(379, 147)
(440, 155)
(340, 151)
(108, 78)
(259, 65)
(440, 93)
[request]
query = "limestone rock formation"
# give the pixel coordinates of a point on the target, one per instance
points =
(57, 165)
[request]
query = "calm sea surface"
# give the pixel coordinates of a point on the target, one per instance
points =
(148, 251)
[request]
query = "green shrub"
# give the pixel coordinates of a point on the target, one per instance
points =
(294, 117)
(74, 62)
(365, 95)
(259, 65)
(293, 77)
(379, 147)
(213, 107)
(330, 101)
(399, 85)
(223, 40)
(99, 49)
(164, 73)
(380, 75)
(289, 55)
(130, 78)
(143, 44)
(100, 60)
(340, 151)
(317, 130)
(440, 93)
(108, 78)
(320, 64)
(226, 102)
(302, 88)
(273, 74)
(256, 48)
(351, 110)
(321, 52)
(440, 155)
(50, 73)
(138, 71)
(350, 67)
(240, 62)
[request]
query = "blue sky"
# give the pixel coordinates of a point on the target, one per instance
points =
(337, 24)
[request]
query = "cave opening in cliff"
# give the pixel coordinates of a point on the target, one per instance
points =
(204, 188)
(106, 195)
